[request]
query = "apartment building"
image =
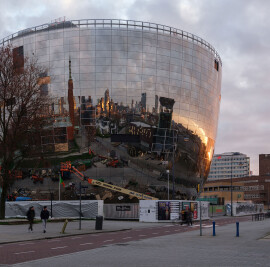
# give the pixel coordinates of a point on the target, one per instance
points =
(229, 165)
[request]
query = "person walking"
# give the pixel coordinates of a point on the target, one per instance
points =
(189, 217)
(30, 217)
(44, 215)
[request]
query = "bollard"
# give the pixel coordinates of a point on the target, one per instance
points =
(64, 226)
(214, 228)
(237, 229)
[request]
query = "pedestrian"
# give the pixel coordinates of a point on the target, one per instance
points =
(44, 215)
(189, 217)
(30, 217)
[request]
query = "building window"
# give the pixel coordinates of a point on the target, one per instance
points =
(18, 58)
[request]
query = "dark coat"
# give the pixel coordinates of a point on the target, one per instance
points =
(189, 216)
(30, 215)
(44, 215)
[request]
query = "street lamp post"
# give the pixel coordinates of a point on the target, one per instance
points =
(80, 222)
(231, 191)
(268, 197)
(173, 177)
(51, 204)
(168, 172)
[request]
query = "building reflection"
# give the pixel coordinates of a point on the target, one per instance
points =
(187, 152)
(111, 77)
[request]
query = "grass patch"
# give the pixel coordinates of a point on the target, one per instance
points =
(52, 161)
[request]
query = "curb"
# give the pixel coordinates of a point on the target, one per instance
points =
(64, 235)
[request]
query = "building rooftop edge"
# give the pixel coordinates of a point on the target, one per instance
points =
(114, 23)
(230, 154)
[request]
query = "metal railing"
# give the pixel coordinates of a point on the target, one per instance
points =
(116, 24)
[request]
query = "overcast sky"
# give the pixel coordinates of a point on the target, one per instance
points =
(239, 31)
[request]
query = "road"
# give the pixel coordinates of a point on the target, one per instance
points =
(37, 249)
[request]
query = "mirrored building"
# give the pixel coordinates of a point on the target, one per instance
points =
(149, 92)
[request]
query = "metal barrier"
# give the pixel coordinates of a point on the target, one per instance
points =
(122, 211)
(258, 217)
(214, 228)
(237, 229)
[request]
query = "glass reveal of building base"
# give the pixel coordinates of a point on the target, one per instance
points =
(145, 93)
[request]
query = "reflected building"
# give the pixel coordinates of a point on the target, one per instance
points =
(143, 102)
(156, 104)
(131, 77)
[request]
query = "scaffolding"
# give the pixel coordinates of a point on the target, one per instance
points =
(54, 136)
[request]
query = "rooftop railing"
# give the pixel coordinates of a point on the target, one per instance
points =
(115, 24)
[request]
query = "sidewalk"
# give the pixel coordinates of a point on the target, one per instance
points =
(251, 248)
(17, 233)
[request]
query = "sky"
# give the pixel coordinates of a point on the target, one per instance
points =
(238, 30)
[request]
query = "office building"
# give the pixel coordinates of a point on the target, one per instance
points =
(229, 165)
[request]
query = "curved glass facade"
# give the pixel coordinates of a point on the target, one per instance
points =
(115, 78)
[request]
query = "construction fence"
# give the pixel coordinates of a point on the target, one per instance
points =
(59, 209)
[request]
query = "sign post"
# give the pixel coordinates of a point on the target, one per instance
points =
(200, 218)
(80, 224)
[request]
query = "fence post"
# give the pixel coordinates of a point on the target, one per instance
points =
(237, 229)
(214, 228)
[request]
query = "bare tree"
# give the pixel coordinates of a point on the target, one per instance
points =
(22, 109)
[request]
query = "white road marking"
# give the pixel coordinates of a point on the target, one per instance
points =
(155, 233)
(127, 237)
(24, 244)
(142, 235)
(59, 247)
(167, 231)
(202, 225)
(86, 244)
(77, 237)
(108, 240)
(24, 252)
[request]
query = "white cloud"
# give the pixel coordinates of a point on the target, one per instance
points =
(189, 11)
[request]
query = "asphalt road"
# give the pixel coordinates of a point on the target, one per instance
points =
(38, 249)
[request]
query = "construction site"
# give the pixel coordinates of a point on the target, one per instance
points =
(111, 165)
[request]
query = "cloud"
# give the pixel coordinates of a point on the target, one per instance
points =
(189, 11)
(239, 31)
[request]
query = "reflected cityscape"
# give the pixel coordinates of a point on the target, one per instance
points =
(150, 95)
